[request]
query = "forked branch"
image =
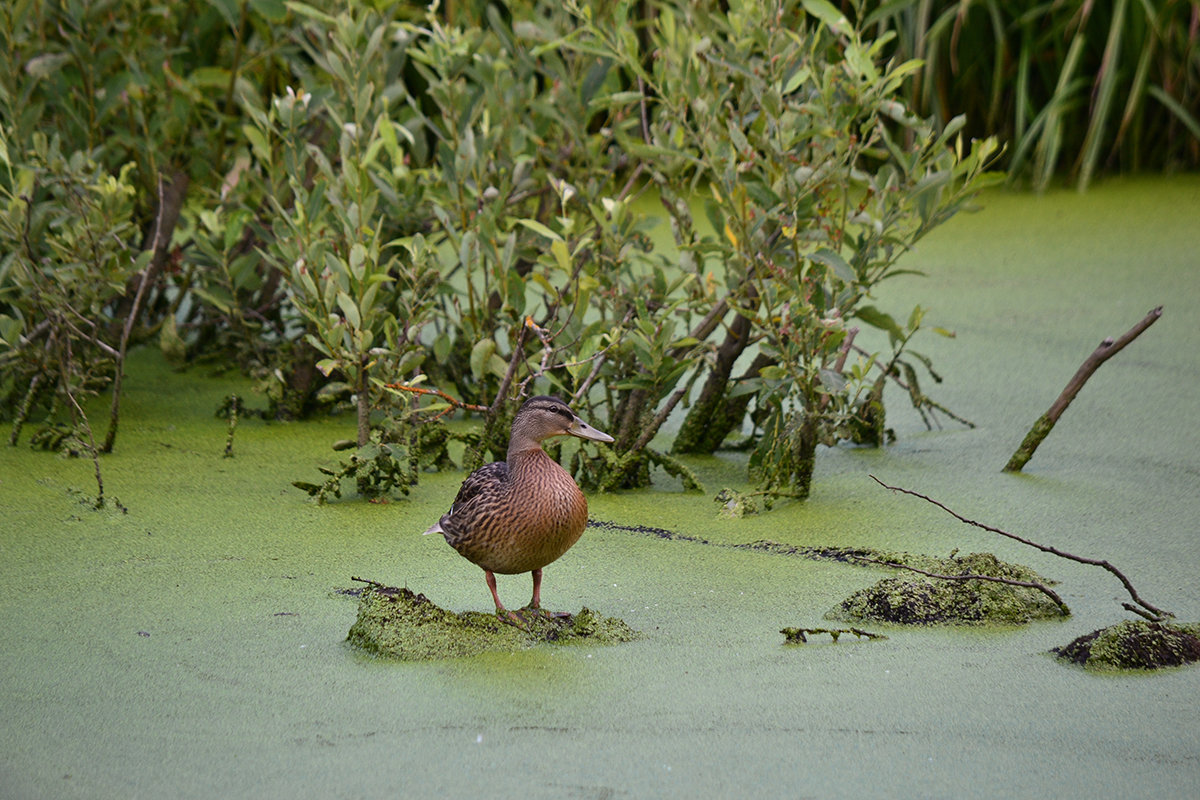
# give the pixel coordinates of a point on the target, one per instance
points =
(1139, 606)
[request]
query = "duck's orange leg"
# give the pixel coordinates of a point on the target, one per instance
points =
(536, 602)
(501, 611)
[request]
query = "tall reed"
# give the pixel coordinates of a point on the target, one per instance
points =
(1075, 87)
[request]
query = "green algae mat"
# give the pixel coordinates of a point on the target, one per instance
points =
(195, 645)
(400, 624)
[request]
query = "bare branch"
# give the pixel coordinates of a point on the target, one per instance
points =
(1045, 423)
(170, 203)
(400, 387)
(1158, 612)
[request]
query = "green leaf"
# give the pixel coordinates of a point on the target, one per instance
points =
(209, 78)
(441, 347)
(796, 79)
(559, 250)
(349, 309)
(1176, 108)
(716, 218)
(914, 319)
(228, 9)
(312, 13)
(497, 366)
(836, 263)
(358, 257)
(271, 10)
(835, 20)
(258, 143)
(878, 319)
(594, 79)
(481, 355)
(540, 229)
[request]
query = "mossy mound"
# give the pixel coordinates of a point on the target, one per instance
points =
(920, 600)
(401, 624)
(1135, 644)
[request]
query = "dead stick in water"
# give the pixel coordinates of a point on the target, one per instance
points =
(1142, 608)
(1041, 429)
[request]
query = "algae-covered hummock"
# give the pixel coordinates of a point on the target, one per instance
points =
(963, 595)
(1135, 644)
(401, 624)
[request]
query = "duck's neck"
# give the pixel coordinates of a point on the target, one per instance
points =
(525, 450)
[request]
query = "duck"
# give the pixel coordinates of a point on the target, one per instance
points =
(521, 514)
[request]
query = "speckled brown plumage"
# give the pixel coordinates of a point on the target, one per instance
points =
(521, 514)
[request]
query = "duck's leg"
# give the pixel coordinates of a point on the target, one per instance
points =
(501, 612)
(491, 582)
(536, 602)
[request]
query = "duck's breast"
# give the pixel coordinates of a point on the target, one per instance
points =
(535, 519)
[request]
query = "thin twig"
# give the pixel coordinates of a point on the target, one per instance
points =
(1044, 548)
(376, 584)
(77, 411)
(400, 387)
(664, 412)
(928, 401)
(644, 112)
(169, 205)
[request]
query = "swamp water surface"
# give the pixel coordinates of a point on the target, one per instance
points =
(194, 647)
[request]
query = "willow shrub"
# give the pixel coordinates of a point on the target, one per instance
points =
(419, 203)
(67, 238)
(815, 179)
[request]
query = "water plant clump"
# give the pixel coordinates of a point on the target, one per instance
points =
(965, 590)
(399, 623)
(1135, 644)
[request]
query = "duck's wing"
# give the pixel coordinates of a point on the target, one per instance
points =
(481, 484)
(485, 480)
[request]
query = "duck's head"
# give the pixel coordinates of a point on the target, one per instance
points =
(542, 417)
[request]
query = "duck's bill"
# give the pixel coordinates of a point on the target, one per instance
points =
(584, 431)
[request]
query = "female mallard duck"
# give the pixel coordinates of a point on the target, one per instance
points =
(521, 514)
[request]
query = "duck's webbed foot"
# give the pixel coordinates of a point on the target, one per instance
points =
(524, 618)
(515, 618)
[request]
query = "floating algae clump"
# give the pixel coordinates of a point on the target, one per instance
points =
(953, 599)
(401, 624)
(1135, 645)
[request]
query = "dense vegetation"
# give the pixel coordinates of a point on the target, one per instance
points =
(356, 202)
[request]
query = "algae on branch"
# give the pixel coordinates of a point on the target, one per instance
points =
(401, 624)
(968, 594)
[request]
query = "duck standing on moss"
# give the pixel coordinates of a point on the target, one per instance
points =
(521, 514)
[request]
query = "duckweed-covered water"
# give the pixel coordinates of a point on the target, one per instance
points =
(195, 646)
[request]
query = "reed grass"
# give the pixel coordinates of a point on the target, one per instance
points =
(1075, 87)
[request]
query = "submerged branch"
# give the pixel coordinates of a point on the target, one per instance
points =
(800, 635)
